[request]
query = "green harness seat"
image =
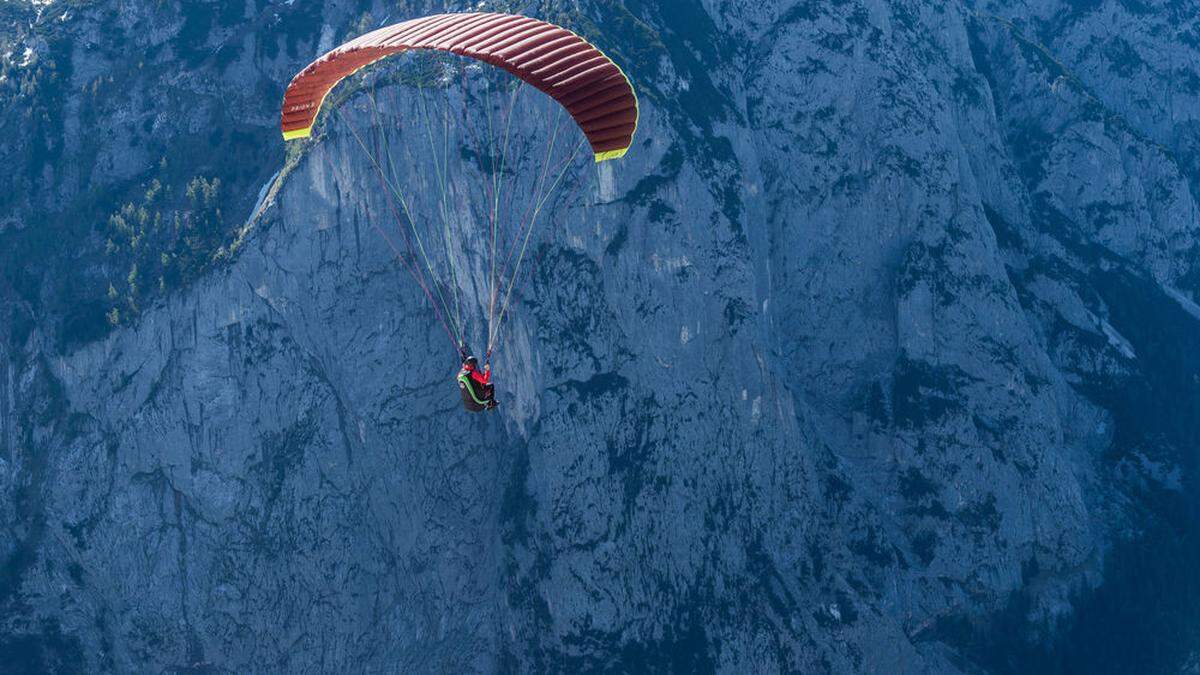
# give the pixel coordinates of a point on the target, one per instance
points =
(474, 401)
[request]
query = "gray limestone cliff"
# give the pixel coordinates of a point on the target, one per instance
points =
(878, 353)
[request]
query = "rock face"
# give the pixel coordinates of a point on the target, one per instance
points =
(876, 354)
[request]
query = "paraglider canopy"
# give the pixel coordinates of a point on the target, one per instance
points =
(593, 89)
(465, 187)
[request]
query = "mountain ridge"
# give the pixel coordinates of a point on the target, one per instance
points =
(874, 354)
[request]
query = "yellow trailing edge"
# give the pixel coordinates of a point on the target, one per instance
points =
(297, 133)
(610, 154)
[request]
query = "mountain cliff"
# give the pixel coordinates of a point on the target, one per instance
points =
(877, 353)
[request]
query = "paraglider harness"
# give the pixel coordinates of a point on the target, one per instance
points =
(477, 395)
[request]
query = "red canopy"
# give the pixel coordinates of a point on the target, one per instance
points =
(592, 88)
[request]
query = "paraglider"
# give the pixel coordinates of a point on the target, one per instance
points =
(579, 80)
(478, 392)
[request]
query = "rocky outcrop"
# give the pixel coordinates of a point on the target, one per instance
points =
(873, 356)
